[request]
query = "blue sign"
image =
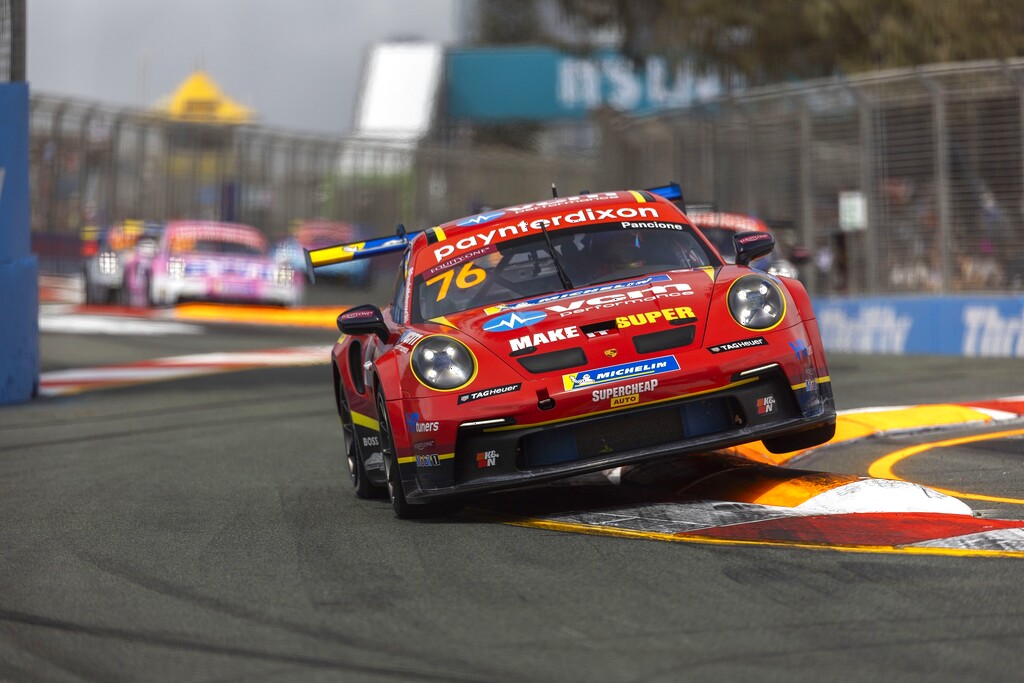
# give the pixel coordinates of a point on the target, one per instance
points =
(541, 83)
(972, 326)
(513, 321)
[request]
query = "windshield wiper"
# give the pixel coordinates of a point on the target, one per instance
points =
(562, 276)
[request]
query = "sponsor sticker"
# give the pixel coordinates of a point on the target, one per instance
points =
(648, 317)
(630, 392)
(427, 460)
(487, 393)
(541, 338)
(487, 459)
(738, 344)
(412, 422)
(513, 321)
(766, 405)
(461, 258)
(587, 215)
(371, 441)
(481, 218)
(407, 341)
(616, 373)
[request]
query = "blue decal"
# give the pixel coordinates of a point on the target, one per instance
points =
(513, 321)
(410, 421)
(617, 373)
(799, 349)
(481, 218)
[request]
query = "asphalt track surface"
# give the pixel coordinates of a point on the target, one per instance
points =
(204, 529)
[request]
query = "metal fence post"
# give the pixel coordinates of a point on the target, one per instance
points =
(806, 183)
(868, 186)
(940, 135)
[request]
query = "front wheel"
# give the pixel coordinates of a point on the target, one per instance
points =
(396, 491)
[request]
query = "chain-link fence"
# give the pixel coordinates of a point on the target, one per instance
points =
(905, 181)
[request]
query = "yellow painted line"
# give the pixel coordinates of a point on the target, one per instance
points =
(330, 255)
(638, 197)
(882, 468)
(568, 527)
(322, 316)
(821, 380)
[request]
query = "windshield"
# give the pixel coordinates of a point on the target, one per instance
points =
(521, 268)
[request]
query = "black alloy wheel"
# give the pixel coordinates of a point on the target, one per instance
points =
(364, 488)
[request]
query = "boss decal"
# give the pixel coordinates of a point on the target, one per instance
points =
(371, 441)
(487, 393)
(617, 373)
(669, 314)
(541, 338)
(738, 344)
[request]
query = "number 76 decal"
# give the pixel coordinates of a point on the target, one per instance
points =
(469, 276)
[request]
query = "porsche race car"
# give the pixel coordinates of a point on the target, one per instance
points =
(563, 337)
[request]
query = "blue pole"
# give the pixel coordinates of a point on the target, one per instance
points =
(19, 278)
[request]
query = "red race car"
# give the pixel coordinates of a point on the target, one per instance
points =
(563, 337)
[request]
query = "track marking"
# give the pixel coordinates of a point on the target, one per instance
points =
(882, 468)
(65, 382)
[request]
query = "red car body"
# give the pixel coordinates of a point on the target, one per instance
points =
(494, 366)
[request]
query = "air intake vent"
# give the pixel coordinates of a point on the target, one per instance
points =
(555, 360)
(667, 339)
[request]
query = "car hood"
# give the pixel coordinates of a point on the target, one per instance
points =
(603, 317)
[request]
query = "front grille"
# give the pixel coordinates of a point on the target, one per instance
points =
(554, 360)
(627, 432)
(664, 340)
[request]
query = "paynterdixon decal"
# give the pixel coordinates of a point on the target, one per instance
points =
(588, 215)
(616, 373)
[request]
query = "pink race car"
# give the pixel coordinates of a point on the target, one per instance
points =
(213, 261)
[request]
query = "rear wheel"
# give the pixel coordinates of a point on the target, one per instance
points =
(361, 483)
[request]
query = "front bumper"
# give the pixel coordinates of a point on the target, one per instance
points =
(749, 408)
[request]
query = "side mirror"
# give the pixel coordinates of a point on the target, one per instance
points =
(362, 320)
(751, 246)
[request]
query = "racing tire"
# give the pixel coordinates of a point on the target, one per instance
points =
(396, 491)
(361, 483)
(801, 440)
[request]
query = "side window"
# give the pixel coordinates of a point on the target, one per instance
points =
(398, 303)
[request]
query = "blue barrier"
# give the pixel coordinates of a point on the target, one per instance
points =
(19, 273)
(970, 326)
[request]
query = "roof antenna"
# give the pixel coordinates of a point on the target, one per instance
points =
(554, 191)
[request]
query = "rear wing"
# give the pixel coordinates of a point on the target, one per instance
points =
(355, 251)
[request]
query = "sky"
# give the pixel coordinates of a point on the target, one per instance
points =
(298, 64)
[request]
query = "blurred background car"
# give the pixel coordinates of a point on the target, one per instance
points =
(316, 234)
(720, 226)
(217, 261)
(106, 251)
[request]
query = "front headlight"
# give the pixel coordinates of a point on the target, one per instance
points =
(756, 302)
(109, 262)
(443, 363)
